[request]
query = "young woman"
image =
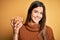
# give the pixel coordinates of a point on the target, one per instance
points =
(35, 27)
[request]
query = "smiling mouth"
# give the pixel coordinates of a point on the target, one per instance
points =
(36, 18)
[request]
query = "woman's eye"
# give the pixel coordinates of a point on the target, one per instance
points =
(41, 13)
(36, 11)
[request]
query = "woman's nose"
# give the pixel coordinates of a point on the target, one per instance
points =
(38, 15)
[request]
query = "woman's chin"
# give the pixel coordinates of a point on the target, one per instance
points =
(36, 22)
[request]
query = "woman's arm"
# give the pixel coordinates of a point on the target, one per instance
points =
(15, 36)
(16, 24)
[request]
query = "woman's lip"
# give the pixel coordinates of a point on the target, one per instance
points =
(37, 18)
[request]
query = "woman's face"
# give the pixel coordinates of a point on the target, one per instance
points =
(37, 14)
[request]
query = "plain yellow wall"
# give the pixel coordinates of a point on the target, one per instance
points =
(12, 8)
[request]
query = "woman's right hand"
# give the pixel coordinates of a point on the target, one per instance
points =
(16, 23)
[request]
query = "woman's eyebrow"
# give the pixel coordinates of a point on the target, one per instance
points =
(35, 10)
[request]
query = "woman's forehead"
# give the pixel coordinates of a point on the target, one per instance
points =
(38, 9)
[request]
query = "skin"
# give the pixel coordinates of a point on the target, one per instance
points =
(17, 22)
(36, 15)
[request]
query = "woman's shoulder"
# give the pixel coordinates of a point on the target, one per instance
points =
(49, 32)
(23, 26)
(49, 29)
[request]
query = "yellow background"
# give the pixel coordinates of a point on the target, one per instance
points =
(12, 8)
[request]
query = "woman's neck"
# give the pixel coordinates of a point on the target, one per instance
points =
(33, 23)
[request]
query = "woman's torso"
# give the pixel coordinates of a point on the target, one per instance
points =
(32, 33)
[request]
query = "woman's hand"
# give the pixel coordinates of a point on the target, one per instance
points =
(16, 23)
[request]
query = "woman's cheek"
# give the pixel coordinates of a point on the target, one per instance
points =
(41, 16)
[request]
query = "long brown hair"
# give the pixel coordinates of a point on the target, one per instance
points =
(32, 6)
